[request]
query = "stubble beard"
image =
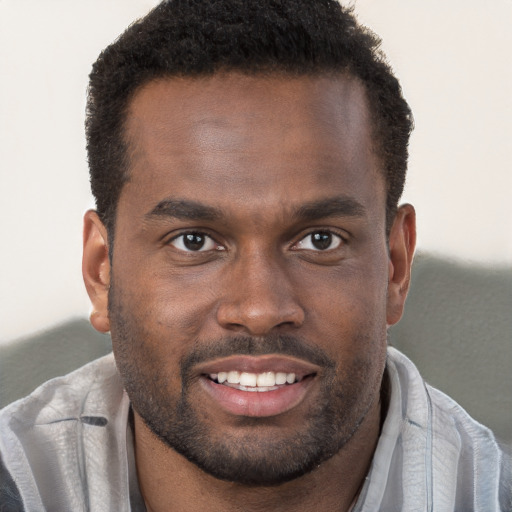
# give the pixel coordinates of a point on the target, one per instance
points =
(259, 453)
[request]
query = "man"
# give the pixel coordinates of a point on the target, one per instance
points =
(247, 255)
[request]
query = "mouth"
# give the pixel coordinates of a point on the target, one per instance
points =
(255, 382)
(258, 386)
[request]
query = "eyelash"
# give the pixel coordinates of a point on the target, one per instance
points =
(205, 236)
(207, 239)
(334, 235)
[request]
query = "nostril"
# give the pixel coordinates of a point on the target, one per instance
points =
(259, 319)
(289, 323)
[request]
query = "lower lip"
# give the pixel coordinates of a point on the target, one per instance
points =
(254, 403)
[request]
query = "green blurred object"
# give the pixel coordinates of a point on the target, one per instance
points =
(457, 328)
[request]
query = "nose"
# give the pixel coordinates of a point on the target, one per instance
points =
(259, 298)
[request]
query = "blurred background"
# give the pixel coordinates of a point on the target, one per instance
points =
(453, 60)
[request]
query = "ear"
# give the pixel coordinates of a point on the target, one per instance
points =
(96, 269)
(402, 241)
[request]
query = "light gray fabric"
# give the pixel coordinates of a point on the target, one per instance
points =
(66, 447)
(457, 329)
(432, 456)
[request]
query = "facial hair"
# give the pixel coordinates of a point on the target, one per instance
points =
(260, 452)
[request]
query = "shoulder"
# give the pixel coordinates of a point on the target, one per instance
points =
(69, 425)
(433, 409)
(465, 464)
(483, 466)
(63, 397)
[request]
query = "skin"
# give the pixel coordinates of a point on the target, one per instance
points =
(257, 149)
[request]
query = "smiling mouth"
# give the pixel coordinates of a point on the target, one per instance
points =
(256, 382)
(257, 386)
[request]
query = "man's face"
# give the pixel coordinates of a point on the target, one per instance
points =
(250, 246)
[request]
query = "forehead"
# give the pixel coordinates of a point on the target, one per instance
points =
(232, 137)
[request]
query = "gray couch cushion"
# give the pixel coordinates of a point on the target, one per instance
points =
(28, 362)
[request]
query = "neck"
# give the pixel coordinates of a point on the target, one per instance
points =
(168, 481)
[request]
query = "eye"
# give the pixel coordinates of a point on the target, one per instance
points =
(194, 242)
(319, 241)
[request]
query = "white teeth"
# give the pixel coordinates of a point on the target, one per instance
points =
(233, 377)
(280, 378)
(252, 380)
(267, 379)
(290, 378)
(248, 379)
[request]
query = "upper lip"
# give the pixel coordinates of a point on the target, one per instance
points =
(258, 364)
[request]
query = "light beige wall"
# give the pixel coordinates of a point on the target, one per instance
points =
(453, 60)
(451, 56)
(47, 48)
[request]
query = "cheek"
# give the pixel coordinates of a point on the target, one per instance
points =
(347, 318)
(170, 302)
(347, 299)
(146, 355)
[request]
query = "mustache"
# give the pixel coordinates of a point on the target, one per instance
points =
(294, 346)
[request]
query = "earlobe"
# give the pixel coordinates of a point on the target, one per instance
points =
(96, 269)
(402, 242)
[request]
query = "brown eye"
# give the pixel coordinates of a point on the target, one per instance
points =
(194, 242)
(320, 241)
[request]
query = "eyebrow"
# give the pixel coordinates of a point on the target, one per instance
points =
(340, 206)
(184, 210)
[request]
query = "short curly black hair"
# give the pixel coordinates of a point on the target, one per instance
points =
(202, 37)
